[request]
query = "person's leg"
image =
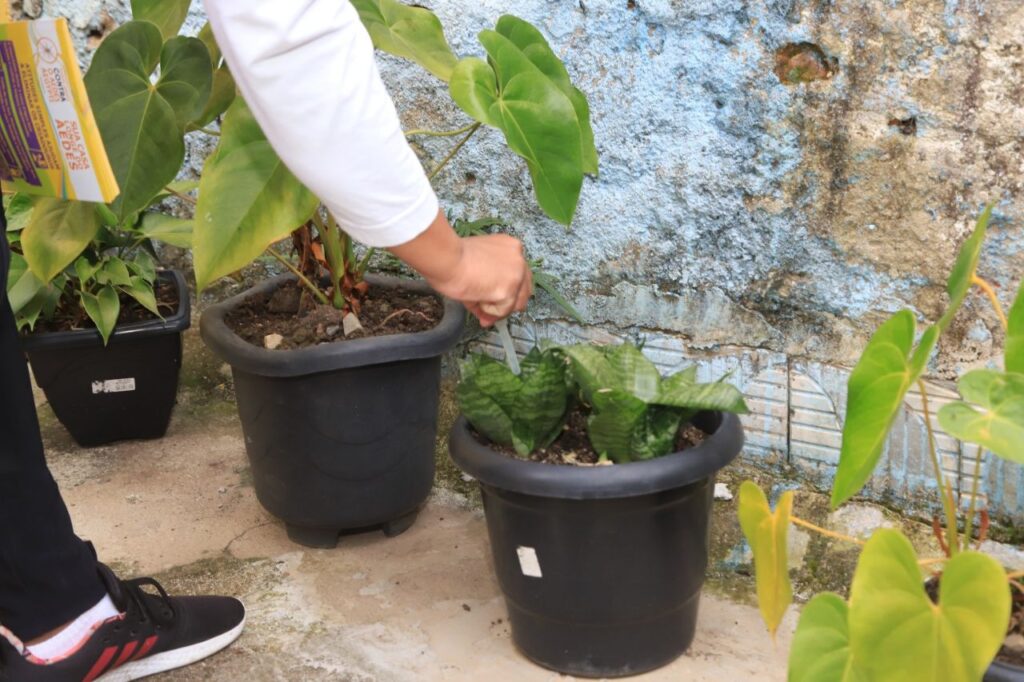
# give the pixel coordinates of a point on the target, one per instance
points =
(48, 576)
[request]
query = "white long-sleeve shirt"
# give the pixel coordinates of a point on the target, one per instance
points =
(306, 68)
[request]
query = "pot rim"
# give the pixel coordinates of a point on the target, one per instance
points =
(631, 479)
(175, 323)
(372, 350)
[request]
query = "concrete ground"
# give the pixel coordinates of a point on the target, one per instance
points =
(422, 606)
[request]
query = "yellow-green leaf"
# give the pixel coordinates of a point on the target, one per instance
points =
(821, 646)
(56, 235)
(767, 531)
(407, 31)
(993, 414)
(103, 309)
(1015, 335)
(962, 276)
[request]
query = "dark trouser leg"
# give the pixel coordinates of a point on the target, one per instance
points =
(47, 575)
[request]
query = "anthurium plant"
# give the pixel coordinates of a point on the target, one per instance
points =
(634, 413)
(524, 91)
(890, 628)
(148, 87)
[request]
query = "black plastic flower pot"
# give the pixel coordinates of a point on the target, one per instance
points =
(124, 390)
(1004, 672)
(340, 436)
(601, 567)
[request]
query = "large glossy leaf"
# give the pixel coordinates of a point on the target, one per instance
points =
(526, 410)
(681, 390)
(962, 275)
(167, 229)
(875, 394)
(103, 309)
(537, 117)
(167, 15)
(22, 285)
(766, 532)
(56, 235)
(821, 646)
(407, 31)
(993, 414)
(533, 44)
(1015, 335)
(898, 634)
(248, 199)
(142, 125)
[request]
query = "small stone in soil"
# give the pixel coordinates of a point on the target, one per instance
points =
(272, 341)
(333, 330)
(351, 324)
(1015, 643)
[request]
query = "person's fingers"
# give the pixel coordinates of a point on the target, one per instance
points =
(476, 309)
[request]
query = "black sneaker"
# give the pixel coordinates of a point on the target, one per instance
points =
(154, 633)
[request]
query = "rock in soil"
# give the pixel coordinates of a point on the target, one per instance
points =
(351, 324)
(272, 341)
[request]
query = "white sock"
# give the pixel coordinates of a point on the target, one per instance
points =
(70, 637)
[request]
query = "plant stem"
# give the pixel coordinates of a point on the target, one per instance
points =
(969, 523)
(991, 293)
(215, 133)
(952, 534)
(1014, 575)
(436, 133)
(796, 520)
(455, 150)
(313, 289)
(184, 197)
(365, 261)
(334, 255)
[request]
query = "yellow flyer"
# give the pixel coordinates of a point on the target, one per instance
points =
(49, 142)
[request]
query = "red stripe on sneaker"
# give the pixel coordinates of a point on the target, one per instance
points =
(126, 653)
(146, 646)
(101, 664)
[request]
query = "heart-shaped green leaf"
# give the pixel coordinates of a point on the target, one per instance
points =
(875, 393)
(898, 634)
(142, 124)
(248, 199)
(411, 32)
(103, 309)
(167, 15)
(22, 285)
(142, 291)
(995, 419)
(114, 271)
(167, 229)
(821, 646)
(525, 411)
(539, 120)
(766, 532)
(56, 235)
(962, 276)
(1015, 335)
(17, 211)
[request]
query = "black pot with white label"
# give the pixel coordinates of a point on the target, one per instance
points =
(601, 567)
(124, 390)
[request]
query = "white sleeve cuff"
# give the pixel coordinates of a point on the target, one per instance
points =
(399, 229)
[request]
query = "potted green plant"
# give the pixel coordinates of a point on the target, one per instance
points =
(597, 477)
(103, 323)
(318, 406)
(897, 625)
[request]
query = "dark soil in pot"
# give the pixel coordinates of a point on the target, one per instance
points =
(601, 566)
(340, 435)
(124, 390)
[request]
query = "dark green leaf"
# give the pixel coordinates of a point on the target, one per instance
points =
(414, 33)
(680, 390)
(655, 434)
(616, 416)
(167, 15)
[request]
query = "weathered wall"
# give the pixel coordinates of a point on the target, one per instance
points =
(776, 177)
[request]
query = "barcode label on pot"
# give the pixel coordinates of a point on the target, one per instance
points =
(528, 562)
(113, 386)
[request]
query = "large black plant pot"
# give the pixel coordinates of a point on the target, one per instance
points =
(126, 389)
(601, 567)
(340, 436)
(1004, 672)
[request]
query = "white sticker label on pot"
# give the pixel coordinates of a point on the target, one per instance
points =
(528, 562)
(113, 386)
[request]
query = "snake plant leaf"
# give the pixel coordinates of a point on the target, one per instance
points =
(766, 532)
(56, 235)
(875, 393)
(22, 285)
(681, 390)
(995, 420)
(536, 116)
(621, 367)
(962, 276)
(898, 634)
(414, 33)
(654, 434)
(549, 284)
(167, 15)
(531, 41)
(821, 645)
(615, 418)
(590, 370)
(167, 229)
(142, 124)
(103, 309)
(248, 199)
(525, 411)
(1015, 335)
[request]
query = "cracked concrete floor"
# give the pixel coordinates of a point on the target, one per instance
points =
(422, 606)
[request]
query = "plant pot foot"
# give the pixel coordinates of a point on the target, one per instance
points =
(318, 538)
(400, 525)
